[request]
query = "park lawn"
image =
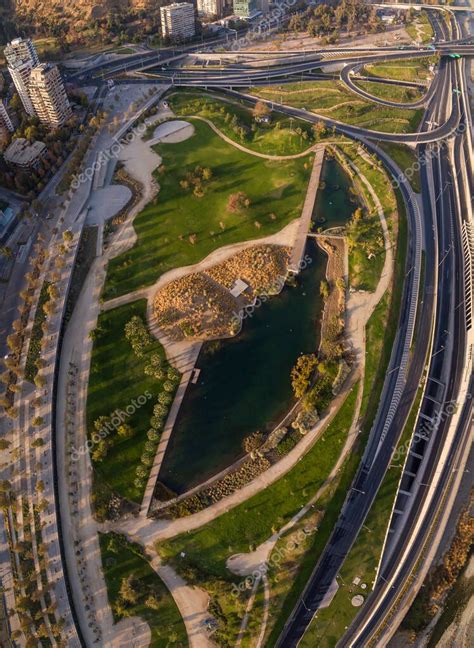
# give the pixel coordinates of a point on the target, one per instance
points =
(275, 188)
(402, 69)
(247, 525)
(277, 138)
(333, 100)
(406, 159)
(116, 378)
(390, 92)
(166, 625)
(362, 561)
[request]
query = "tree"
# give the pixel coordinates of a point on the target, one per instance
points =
(301, 373)
(4, 444)
(324, 289)
(37, 443)
(128, 591)
(237, 202)
(319, 129)
(68, 236)
(126, 431)
(261, 110)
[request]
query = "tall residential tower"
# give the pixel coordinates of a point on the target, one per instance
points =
(21, 58)
(48, 95)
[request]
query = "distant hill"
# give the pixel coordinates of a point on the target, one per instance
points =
(78, 21)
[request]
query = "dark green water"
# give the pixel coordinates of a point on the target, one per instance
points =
(333, 200)
(244, 385)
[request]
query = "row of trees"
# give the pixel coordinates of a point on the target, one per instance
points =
(332, 17)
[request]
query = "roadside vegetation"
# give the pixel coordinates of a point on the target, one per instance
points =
(117, 379)
(180, 228)
(407, 160)
(135, 589)
(333, 100)
(390, 92)
(360, 566)
(416, 69)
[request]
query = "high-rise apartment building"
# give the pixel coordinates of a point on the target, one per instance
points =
(211, 7)
(177, 21)
(5, 120)
(21, 58)
(245, 8)
(48, 96)
(21, 49)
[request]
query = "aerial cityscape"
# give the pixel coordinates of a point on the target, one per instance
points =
(236, 324)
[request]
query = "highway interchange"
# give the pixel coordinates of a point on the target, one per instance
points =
(434, 342)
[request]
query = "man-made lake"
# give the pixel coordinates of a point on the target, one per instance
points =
(334, 201)
(244, 384)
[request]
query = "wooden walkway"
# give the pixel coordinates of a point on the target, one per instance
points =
(305, 220)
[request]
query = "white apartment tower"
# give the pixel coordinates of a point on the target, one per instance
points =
(5, 118)
(48, 95)
(177, 20)
(21, 58)
(23, 49)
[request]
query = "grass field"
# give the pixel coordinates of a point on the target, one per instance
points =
(179, 229)
(277, 138)
(116, 378)
(390, 92)
(331, 99)
(166, 625)
(402, 69)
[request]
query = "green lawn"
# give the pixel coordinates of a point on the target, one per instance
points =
(276, 190)
(280, 137)
(332, 99)
(252, 522)
(406, 158)
(166, 625)
(402, 69)
(390, 92)
(116, 378)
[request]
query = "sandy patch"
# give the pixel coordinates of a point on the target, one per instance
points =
(172, 132)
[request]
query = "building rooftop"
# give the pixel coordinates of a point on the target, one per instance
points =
(23, 153)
